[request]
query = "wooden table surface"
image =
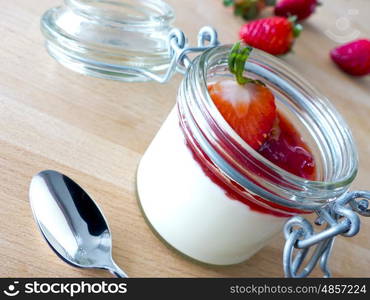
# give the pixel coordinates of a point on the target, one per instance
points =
(96, 130)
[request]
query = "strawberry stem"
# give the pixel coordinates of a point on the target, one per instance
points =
(236, 61)
(297, 28)
(270, 2)
(228, 2)
(248, 9)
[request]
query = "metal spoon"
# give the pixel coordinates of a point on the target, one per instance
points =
(71, 222)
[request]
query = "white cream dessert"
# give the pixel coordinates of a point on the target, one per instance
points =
(192, 213)
(205, 182)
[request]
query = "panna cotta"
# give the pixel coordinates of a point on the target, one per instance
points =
(191, 212)
(202, 182)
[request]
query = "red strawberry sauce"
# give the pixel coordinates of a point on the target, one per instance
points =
(285, 148)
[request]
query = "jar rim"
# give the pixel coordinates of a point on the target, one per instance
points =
(314, 192)
(110, 39)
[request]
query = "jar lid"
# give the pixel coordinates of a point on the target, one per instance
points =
(107, 38)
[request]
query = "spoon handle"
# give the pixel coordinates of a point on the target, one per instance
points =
(117, 271)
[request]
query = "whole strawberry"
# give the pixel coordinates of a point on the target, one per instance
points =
(248, 9)
(353, 58)
(302, 9)
(274, 35)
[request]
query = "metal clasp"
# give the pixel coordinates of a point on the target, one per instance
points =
(341, 218)
(179, 48)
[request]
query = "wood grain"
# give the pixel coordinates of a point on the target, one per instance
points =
(96, 130)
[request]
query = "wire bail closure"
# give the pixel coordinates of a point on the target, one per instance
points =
(341, 218)
(179, 48)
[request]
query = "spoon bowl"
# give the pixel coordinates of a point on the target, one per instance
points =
(71, 222)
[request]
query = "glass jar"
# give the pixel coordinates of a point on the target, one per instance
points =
(212, 197)
(108, 38)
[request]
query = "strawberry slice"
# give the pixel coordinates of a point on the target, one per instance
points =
(249, 109)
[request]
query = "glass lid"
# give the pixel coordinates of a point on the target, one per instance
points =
(106, 38)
